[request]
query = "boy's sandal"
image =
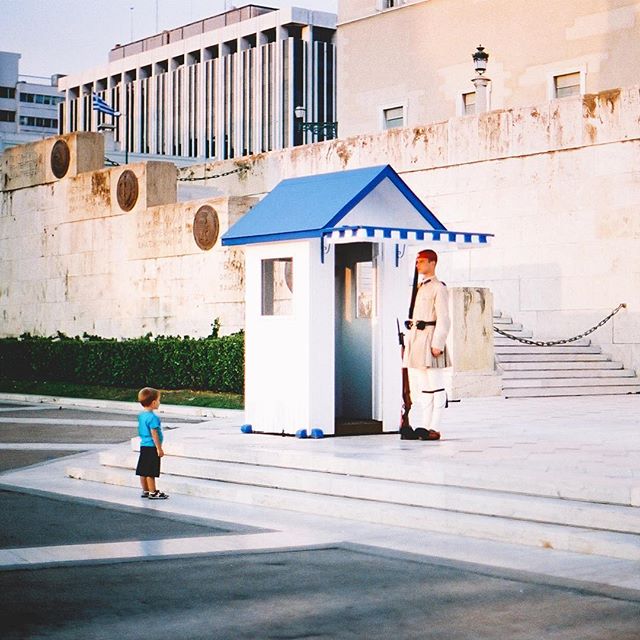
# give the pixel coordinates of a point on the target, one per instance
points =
(158, 495)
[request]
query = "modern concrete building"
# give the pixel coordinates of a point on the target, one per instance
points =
(28, 109)
(539, 51)
(223, 87)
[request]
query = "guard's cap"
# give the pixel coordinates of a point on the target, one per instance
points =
(428, 254)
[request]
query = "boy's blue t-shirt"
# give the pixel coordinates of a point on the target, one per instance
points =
(148, 420)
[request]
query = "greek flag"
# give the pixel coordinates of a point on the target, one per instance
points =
(100, 105)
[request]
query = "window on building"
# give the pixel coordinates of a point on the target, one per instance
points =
(567, 84)
(469, 103)
(43, 123)
(38, 98)
(277, 287)
(393, 117)
(7, 92)
(381, 5)
(7, 116)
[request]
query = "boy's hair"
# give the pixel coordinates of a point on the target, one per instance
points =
(147, 395)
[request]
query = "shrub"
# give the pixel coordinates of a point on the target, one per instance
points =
(167, 362)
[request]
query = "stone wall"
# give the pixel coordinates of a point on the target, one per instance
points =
(110, 251)
(557, 183)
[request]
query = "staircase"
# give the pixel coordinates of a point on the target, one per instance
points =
(574, 369)
(509, 502)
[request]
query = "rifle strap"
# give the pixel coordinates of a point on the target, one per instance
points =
(414, 293)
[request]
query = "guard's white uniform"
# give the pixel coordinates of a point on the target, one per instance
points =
(426, 375)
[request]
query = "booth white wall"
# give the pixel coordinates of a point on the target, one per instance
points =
(290, 358)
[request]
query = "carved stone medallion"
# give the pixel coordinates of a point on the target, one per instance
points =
(127, 190)
(60, 158)
(206, 227)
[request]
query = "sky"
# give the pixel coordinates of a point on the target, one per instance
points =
(67, 36)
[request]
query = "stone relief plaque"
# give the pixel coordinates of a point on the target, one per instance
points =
(127, 190)
(206, 227)
(60, 158)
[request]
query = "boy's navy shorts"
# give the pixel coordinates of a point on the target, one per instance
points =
(148, 463)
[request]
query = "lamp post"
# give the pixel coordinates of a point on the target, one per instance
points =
(481, 82)
(328, 129)
(107, 130)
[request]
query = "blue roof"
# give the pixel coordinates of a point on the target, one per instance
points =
(309, 206)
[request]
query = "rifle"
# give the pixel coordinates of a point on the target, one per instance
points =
(406, 390)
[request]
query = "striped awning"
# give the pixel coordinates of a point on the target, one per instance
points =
(400, 235)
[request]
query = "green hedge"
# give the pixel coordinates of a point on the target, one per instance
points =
(213, 363)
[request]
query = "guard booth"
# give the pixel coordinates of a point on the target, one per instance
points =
(329, 262)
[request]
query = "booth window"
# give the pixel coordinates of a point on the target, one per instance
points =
(277, 287)
(365, 289)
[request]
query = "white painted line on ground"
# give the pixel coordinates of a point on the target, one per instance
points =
(61, 422)
(25, 408)
(140, 549)
(51, 446)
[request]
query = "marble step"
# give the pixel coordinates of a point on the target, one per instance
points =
(514, 326)
(468, 500)
(543, 392)
(567, 374)
(520, 333)
(550, 536)
(514, 348)
(571, 382)
(560, 357)
(501, 320)
(508, 477)
(501, 341)
(569, 366)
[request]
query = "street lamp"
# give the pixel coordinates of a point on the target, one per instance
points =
(480, 81)
(328, 129)
(480, 59)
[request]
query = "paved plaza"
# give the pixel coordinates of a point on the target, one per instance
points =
(83, 559)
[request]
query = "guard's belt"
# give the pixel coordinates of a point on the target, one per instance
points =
(420, 324)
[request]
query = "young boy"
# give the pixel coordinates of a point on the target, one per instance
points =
(150, 433)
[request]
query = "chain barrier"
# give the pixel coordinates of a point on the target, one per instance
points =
(211, 177)
(551, 343)
(112, 163)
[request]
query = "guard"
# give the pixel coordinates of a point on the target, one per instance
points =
(425, 355)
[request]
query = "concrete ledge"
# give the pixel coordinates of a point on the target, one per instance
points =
(116, 405)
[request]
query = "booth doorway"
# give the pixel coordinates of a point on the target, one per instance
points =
(355, 311)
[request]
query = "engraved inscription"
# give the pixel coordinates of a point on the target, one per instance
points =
(127, 190)
(206, 227)
(23, 166)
